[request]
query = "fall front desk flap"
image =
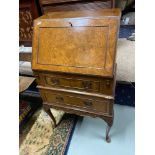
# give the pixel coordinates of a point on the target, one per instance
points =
(82, 42)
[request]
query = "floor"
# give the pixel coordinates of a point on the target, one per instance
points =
(89, 134)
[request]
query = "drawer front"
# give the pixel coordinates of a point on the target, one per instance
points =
(71, 83)
(81, 102)
(81, 83)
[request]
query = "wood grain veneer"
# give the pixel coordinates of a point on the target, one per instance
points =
(69, 53)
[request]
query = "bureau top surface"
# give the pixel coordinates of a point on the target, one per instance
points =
(100, 13)
(81, 42)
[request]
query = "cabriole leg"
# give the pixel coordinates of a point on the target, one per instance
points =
(109, 122)
(108, 139)
(47, 110)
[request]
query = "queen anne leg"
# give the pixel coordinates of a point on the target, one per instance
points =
(47, 110)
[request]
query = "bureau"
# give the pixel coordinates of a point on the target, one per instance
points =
(73, 60)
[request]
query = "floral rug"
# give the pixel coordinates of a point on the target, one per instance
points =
(40, 138)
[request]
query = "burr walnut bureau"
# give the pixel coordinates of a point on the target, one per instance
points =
(73, 60)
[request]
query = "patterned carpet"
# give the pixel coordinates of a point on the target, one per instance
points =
(40, 138)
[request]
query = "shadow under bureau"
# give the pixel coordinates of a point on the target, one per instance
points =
(73, 60)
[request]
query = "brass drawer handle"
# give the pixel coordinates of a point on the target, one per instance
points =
(88, 103)
(59, 98)
(108, 84)
(55, 81)
(87, 84)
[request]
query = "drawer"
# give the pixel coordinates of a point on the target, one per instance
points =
(81, 83)
(77, 101)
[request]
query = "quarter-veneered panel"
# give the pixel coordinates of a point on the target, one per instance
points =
(73, 46)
